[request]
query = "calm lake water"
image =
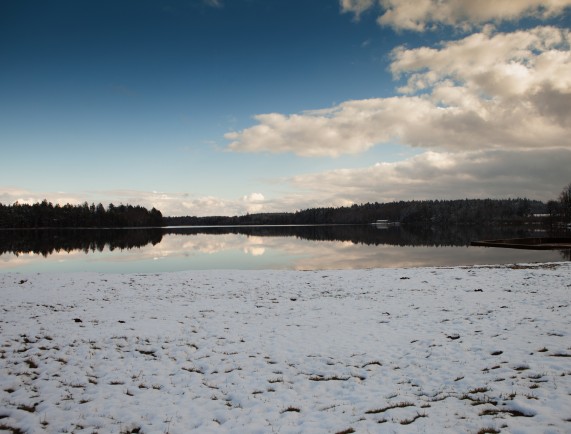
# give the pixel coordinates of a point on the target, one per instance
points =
(277, 247)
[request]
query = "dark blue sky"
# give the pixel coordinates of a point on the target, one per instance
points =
(258, 56)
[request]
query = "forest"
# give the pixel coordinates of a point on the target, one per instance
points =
(48, 215)
(481, 212)
(433, 212)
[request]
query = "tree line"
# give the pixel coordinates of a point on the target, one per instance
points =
(420, 212)
(434, 212)
(488, 212)
(48, 215)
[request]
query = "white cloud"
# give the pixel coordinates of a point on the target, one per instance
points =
(356, 6)
(421, 15)
(508, 90)
(253, 198)
(538, 174)
(348, 128)
(496, 65)
(169, 203)
(182, 204)
(253, 203)
(492, 112)
(498, 173)
(11, 195)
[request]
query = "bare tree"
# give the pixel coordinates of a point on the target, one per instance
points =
(565, 201)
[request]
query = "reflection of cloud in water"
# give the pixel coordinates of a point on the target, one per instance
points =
(212, 244)
(229, 250)
(9, 260)
(255, 246)
(206, 246)
(171, 247)
(254, 251)
(328, 256)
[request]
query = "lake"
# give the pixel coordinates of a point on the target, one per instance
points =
(264, 247)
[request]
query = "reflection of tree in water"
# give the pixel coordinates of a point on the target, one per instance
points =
(49, 241)
(565, 254)
(369, 234)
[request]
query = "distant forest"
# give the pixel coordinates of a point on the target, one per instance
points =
(435, 212)
(425, 212)
(48, 215)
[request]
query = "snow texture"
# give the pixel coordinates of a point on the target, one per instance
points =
(465, 349)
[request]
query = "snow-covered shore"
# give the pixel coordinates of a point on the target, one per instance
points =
(472, 349)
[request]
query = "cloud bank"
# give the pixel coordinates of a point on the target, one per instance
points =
(488, 90)
(169, 203)
(534, 174)
(423, 15)
(491, 111)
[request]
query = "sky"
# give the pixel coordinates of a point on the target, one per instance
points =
(227, 107)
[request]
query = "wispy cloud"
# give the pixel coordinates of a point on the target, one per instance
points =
(356, 7)
(213, 3)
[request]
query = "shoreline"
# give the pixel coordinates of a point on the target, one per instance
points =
(435, 349)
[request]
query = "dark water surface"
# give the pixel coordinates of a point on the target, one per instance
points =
(261, 247)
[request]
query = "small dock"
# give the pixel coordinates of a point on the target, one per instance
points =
(385, 223)
(538, 243)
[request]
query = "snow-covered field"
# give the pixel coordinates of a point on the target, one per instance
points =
(468, 350)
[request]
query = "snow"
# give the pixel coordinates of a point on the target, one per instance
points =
(463, 349)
